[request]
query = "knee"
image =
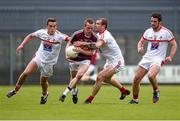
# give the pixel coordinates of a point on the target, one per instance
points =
(151, 76)
(100, 78)
(79, 76)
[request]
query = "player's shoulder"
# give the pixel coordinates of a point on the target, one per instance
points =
(78, 32)
(59, 33)
(149, 29)
(166, 30)
(107, 34)
(94, 34)
(41, 30)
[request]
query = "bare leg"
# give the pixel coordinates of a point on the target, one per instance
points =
(153, 71)
(31, 67)
(81, 71)
(44, 85)
(103, 75)
(117, 84)
(68, 89)
(139, 74)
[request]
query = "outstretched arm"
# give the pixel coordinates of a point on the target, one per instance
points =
(25, 41)
(91, 45)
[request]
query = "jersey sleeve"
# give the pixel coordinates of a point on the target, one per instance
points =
(104, 37)
(169, 36)
(73, 38)
(63, 37)
(145, 35)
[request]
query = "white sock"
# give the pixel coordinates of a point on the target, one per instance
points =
(136, 100)
(66, 91)
(75, 91)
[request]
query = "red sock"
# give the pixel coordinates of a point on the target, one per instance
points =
(123, 90)
(135, 96)
(17, 87)
(90, 98)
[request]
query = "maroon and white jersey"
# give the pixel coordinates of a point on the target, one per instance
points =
(50, 46)
(80, 36)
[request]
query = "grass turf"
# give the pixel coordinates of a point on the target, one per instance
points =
(106, 106)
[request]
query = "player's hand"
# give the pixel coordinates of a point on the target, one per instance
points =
(19, 49)
(166, 60)
(78, 44)
(141, 50)
(69, 59)
(78, 49)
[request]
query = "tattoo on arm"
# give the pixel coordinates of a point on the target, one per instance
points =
(92, 45)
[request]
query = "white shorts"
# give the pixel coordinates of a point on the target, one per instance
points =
(46, 69)
(118, 65)
(90, 69)
(146, 63)
(75, 65)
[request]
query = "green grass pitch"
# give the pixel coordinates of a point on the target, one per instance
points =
(106, 106)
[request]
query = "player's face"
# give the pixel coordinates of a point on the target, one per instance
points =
(98, 25)
(88, 28)
(51, 27)
(155, 23)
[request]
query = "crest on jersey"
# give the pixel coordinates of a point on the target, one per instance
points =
(47, 46)
(154, 45)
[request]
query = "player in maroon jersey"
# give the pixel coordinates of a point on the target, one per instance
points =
(79, 65)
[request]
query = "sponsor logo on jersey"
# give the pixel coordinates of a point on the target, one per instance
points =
(154, 45)
(47, 46)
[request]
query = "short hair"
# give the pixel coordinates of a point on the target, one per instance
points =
(88, 20)
(158, 16)
(104, 22)
(50, 20)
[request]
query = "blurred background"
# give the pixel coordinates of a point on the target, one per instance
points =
(128, 19)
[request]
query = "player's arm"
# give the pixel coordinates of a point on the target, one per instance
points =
(68, 39)
(96, 45)
(83, 51)
(80, 43)
(99, 43)
(28, 38)
(173, 46)
(65, 36)
(91, 45)
(140, 45)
